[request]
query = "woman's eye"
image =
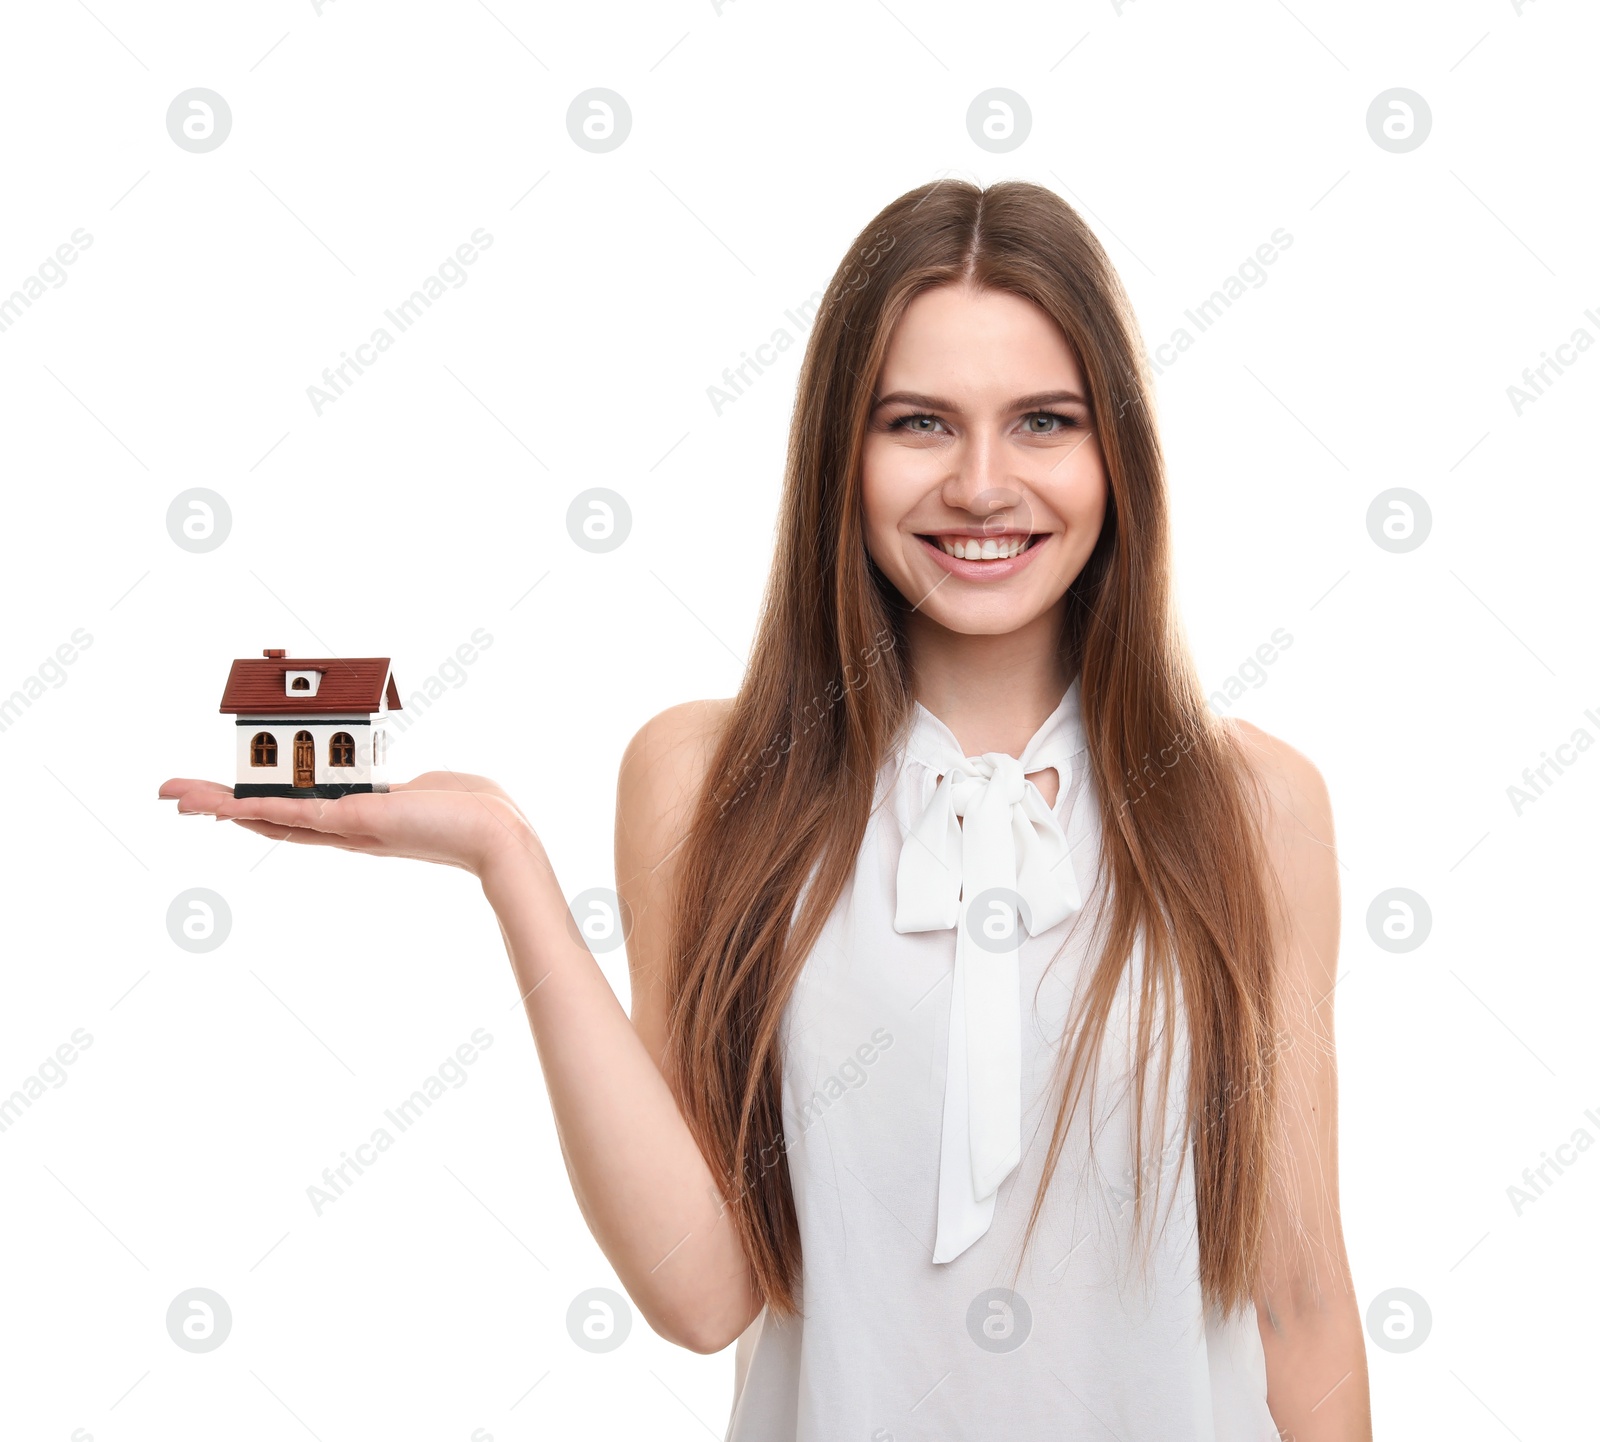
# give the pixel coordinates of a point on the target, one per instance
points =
(1040, 423)
(1067, 422)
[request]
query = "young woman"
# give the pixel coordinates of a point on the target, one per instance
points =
(980, 1078)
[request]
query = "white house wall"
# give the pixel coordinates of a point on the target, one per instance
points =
(322, 729)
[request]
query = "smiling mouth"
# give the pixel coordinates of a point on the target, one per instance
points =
(984, 548)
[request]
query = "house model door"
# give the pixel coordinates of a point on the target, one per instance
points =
(304, 759)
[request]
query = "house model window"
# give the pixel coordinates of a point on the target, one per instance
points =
(301, 683)
(263, 749)
(341, 749)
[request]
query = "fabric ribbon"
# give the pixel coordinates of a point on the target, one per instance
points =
(1010, 854)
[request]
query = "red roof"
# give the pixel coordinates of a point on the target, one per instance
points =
(349, 684)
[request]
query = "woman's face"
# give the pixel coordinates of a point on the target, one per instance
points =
(979, 435)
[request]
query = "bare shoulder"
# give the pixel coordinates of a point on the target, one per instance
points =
(664, 765)
(659, 782)
(1291, 794)
(1296, 824)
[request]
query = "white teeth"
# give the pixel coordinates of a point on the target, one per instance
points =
(987, 549)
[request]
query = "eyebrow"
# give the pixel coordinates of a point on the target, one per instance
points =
(937, 403)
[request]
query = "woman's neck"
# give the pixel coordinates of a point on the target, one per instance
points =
(992, 691)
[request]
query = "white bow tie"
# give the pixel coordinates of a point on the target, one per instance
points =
(1011, 842)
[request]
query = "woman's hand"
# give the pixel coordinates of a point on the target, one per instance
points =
(442, 816)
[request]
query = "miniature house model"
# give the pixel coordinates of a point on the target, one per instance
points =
(310, 727)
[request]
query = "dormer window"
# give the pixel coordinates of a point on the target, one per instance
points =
(301, 683)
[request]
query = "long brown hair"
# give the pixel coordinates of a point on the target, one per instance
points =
(827, 695)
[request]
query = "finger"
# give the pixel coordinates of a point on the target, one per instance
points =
(180, 786)
(276, 831)
(203, 801)
(340, 816)
(198, 799)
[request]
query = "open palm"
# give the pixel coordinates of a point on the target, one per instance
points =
(441, 816)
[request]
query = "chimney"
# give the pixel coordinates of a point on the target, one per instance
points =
(274, 655)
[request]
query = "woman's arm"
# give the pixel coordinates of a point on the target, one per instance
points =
(640, 1179)
(642, 1184)
(1305, 1305)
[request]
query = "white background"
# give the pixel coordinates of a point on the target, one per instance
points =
(366, 144)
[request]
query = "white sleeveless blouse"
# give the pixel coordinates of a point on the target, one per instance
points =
(887, 1166)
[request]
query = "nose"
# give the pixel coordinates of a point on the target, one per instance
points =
(980, 481)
